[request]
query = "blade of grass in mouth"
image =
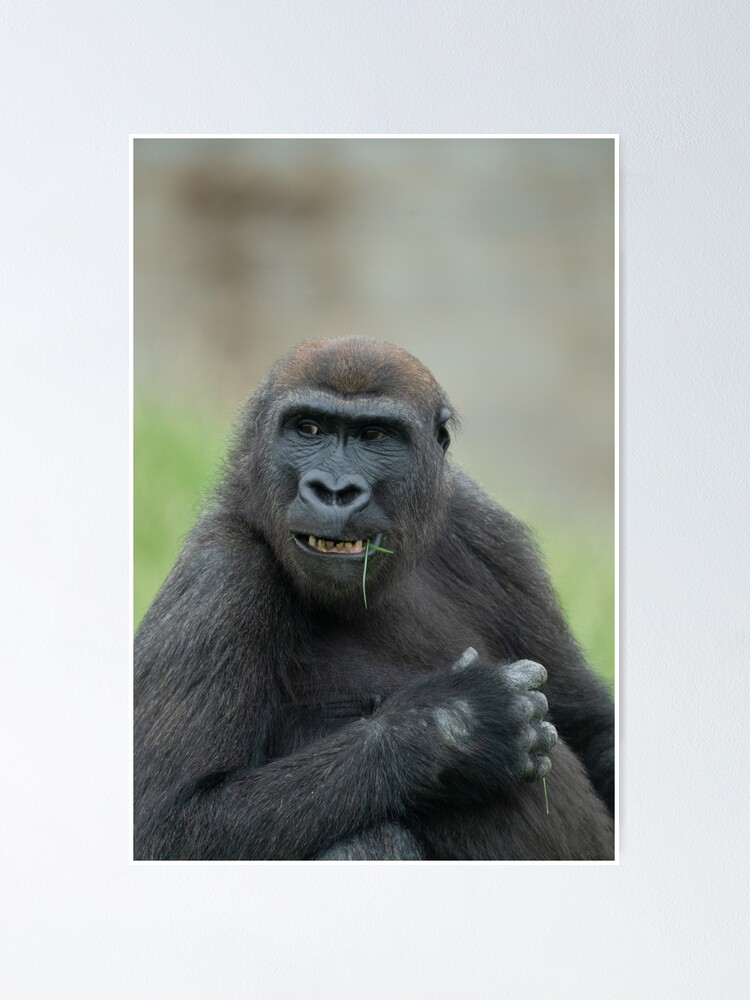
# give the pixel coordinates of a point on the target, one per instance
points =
(375, 548)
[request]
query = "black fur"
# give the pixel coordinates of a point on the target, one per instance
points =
(278, 718)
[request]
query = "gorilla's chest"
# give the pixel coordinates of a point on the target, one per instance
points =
(344, 672)
(372, 659)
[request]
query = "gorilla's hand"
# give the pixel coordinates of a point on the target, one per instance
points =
(474, 732)
(539, 736)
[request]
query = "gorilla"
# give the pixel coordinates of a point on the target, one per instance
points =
(346, 660)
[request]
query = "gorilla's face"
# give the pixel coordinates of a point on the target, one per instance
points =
(346, 466)
(346, 448)
(349, 473)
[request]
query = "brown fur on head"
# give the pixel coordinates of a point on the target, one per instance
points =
(351, 366)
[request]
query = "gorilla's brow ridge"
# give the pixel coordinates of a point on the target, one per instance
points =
(362, 407)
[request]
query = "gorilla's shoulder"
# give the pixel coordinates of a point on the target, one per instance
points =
(224, 568)
(470, 504)
(488, 530)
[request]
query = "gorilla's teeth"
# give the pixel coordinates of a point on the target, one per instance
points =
(332, 545)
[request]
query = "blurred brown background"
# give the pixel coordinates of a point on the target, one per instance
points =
(492, 260)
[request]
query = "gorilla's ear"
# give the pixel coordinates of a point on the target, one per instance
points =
(257, 405)
(443, 437)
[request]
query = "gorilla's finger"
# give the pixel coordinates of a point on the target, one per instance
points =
(526, 673)
(469, 656)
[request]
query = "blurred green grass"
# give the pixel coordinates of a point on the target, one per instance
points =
(178, 452)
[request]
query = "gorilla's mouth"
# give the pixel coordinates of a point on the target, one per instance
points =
(337, 546)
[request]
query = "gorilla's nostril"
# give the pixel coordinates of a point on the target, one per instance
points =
(322, 493)
(347, 496)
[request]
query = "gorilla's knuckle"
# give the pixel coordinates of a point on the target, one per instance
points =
(548, 735)
(532, 705)
(528, 768)
(541, 705)
(527, 673)
(529, 737)
(543, 767)
(466, 659)
(454, 722)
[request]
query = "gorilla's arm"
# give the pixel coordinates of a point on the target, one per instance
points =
(367, 773)
(292, 808)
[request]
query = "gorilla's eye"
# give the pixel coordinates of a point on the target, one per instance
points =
(308, 428)
(372, 434)
(443, 437)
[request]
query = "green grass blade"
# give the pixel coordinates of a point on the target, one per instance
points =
(364, 575)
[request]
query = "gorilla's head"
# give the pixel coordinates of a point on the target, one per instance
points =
(341, 454)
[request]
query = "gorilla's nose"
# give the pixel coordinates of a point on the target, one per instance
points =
(320, 489)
